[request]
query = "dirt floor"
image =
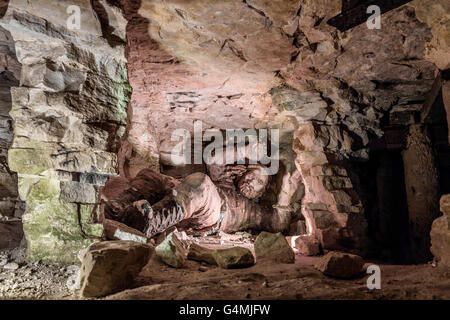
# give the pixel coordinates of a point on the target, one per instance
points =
(20, 279)
(199, 281)
(284, 281)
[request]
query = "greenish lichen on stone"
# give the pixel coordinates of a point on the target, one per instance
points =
(28, 161)
(123, 99)
(44, 190)
(69, 113)
(52, 226)
(89, 228)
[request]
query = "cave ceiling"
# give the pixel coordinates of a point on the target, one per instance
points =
(258, 63)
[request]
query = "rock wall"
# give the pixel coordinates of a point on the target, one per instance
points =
(342, 89)
(422, 189)
(335, 91)
(11, 208)
(436, 14)
(233, 64)
(331, 206)
(69, 113)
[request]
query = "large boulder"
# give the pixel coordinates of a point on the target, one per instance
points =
(340, 265)
(273, 246)
(109, 266)
(172, 250)
(234, 258)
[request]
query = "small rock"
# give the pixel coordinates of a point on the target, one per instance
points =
(202, 269)
(172, 250)
(340, 265)
(273, 246)
(11, 266)
(18, 255)
(233, 258)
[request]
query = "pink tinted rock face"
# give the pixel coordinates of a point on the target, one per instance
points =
(330, 205)
(273, 64)
(169, 94)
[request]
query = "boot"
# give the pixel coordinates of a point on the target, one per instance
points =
(163, 215)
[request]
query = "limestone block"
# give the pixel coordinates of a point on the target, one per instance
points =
(67, 226)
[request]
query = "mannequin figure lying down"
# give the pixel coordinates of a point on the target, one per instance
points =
(227, 200)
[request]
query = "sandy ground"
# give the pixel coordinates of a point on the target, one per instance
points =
(281, 281)
(198, 281)
(284, 281)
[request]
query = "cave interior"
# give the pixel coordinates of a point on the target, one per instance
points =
(361, 117)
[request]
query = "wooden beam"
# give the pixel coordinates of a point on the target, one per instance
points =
(354, 12)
